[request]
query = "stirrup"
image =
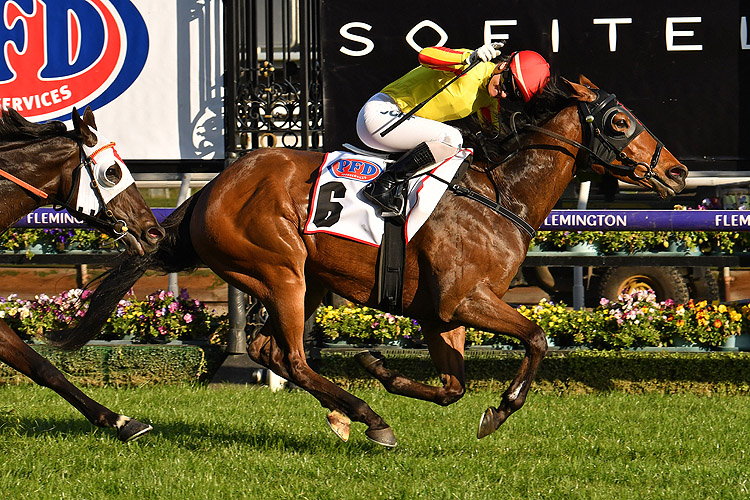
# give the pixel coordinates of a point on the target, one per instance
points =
(398, 212)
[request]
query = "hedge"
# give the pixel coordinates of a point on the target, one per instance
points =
(569, 372)
(561, 372)
(128, 365)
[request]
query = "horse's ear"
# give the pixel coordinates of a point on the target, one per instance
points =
(585, 81)
(88, 117)
(580, 91)
(82, 127)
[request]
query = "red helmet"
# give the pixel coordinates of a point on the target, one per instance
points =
(530, 71)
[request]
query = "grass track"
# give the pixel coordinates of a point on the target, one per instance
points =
(251, 443)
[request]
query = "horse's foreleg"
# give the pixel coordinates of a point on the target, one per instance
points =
(446, 345)
(485, 310)
(19, 356)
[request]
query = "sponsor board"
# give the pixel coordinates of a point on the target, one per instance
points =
(150, 70)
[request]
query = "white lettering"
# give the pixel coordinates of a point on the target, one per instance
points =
(734, 220)
(671, 33)
(490, 37)
(369, 45)
(555, 35)
(45, 101)
(55, 96)
(65, 92)
(426, 24)
(613, 22)
(743, 33)
(17, 104)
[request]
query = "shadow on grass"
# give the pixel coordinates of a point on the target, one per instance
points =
(189, 436)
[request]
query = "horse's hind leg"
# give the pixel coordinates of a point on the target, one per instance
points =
(279, 346)
(18, 355)
(446, 345)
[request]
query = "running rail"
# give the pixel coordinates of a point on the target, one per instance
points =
(558, 220)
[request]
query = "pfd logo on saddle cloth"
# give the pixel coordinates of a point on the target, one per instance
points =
(337, 206)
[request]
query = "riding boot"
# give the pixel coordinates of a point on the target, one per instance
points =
(389, 189)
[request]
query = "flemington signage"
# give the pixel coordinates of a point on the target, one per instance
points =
(647, 220)
(665, 60)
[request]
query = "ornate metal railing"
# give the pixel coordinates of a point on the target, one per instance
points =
(273, 88)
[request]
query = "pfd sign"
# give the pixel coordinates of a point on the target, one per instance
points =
(63, 53)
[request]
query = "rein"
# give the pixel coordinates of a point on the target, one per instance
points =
(594, 119)
(117, 226)
(489, 203)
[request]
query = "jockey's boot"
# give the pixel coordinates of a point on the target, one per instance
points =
(388, 191)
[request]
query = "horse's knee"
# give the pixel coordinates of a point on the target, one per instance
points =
(452, 392)
(538, 342)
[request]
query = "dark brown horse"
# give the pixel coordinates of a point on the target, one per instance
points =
(40, 165)
(247, 225)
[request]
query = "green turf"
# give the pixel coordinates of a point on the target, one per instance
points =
(251, 443)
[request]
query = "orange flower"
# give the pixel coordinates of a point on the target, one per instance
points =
(717, 323)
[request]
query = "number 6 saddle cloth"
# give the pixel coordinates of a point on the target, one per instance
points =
(337, 206)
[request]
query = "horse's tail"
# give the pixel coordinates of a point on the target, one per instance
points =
(175, 253)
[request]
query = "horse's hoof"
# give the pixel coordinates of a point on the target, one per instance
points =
(487, 424)
(384, 437)
(339, 424)
(132, 430)
(366, 359)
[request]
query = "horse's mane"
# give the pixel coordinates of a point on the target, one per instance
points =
(548, 103)
(14, 127)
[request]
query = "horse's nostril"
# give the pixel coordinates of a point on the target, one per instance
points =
(156, 233)
(678, 172)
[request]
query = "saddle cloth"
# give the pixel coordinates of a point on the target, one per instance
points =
(338, 207)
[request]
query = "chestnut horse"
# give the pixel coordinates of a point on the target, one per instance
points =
(41, 164)
(248, 226)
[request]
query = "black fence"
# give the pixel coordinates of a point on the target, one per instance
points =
(272, 79)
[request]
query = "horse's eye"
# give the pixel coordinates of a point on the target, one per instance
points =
(111, 175)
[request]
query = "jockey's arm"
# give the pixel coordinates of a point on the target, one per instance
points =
(443, 58)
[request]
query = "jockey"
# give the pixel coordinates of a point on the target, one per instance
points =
(427, 139)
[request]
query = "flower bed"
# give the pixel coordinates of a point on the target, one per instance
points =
(608, 242)
(635, 320)
(161, 317)
(54, 240)
(616, 242)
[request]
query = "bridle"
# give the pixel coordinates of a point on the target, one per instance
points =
(605, 143)
(109, 223)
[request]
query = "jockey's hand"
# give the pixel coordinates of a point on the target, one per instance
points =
(486, 52)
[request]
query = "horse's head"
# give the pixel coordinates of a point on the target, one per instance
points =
(106, 190)
(622, 145)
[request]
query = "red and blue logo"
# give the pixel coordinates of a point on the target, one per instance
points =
(359, 170)
(64, 53)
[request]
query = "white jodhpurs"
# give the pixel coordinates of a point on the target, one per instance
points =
(381, 111)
